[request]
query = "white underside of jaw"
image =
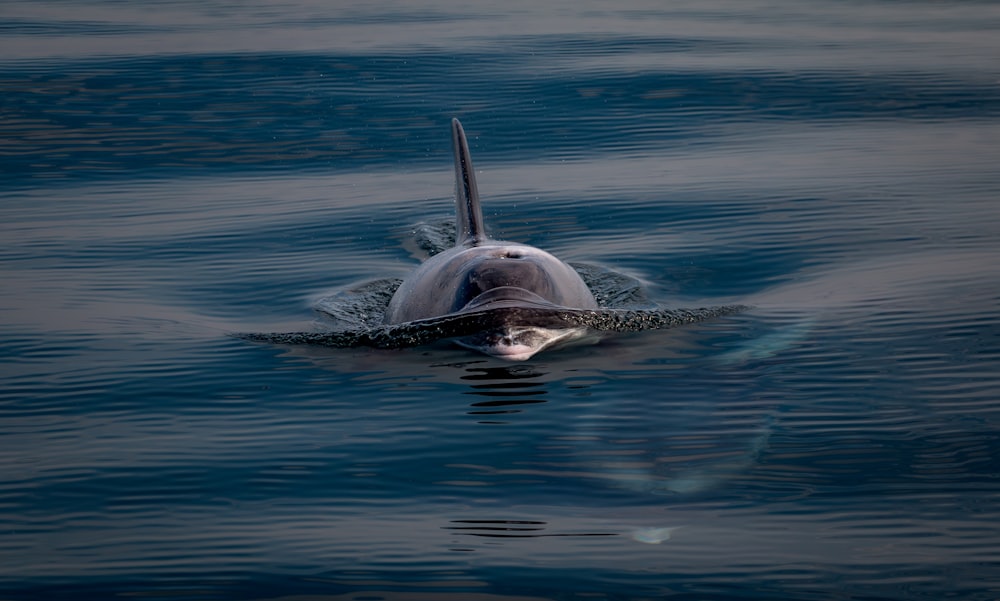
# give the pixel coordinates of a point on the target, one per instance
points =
(506, 346)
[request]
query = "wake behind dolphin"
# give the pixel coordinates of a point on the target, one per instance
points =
(504, 299)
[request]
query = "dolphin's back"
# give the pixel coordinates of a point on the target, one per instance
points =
(468, 214)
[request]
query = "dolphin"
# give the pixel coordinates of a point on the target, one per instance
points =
(503, 299)
(482, 274)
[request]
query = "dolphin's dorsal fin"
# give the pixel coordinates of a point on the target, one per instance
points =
(468, 214)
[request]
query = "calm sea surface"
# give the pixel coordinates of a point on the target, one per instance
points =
(176, 171)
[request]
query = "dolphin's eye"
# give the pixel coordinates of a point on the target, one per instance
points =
(511, 254)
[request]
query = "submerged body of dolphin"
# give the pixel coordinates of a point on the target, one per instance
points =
(504, 299)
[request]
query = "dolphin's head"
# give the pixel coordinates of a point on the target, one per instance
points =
(496, 278)
(462, 277)
(516, 339)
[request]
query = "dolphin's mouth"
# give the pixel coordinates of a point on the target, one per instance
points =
(519, 343)
(506, 297)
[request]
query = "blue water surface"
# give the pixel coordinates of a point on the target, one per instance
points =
(173, 172)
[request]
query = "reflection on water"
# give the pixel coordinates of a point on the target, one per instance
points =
(178, 172)
(505, 388)
(511, 529)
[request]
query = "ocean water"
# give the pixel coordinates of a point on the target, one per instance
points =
(173, 172)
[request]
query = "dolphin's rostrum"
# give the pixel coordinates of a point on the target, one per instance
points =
(504, 299)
